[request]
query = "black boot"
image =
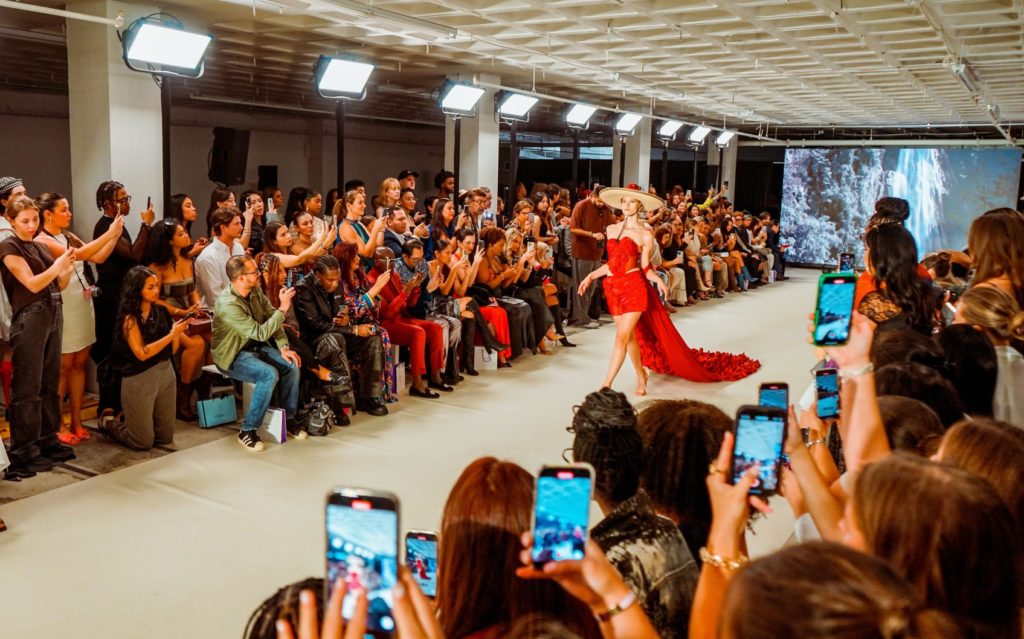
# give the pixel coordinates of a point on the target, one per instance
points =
(451, 370)
(491, 342)
(468, 356)
(183, 402)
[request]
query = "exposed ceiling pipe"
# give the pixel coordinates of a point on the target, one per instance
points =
(295, 109)
(613, 109)
(117, 22)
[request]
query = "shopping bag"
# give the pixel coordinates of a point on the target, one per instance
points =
(4, 461)
(217, 411)
(484, 361)
(275, 425)
(397, 379)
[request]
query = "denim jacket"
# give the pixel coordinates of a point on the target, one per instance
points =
(654, 561)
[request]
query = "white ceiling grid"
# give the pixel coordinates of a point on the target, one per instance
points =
(740, 63)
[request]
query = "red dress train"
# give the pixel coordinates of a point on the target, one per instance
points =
(662, 348)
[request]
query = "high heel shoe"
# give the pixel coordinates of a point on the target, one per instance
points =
(564, 341)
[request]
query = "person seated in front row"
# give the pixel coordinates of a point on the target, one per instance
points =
(419, 335)
(250, 345)
(226, 228)
(145, 339)
(369, 348)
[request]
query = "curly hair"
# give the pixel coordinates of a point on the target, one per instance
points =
(159, 245)
(606, 437)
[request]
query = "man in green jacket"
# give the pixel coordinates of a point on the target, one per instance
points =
(249, 344)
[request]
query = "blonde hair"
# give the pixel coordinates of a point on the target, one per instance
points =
(388, 184)
(18, 204)
(996, 242)
(510, 234)
(994, 310)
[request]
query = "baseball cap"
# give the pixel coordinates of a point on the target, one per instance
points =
(404, 173)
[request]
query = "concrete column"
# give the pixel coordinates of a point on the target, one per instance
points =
(479, 154)
(638, 156)
(114, 118)
(729, 168)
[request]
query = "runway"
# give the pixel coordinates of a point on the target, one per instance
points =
(188, 544)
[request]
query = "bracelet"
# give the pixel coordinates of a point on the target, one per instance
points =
(847, 373)
(624, 604)
(814, 442)
(721, 562)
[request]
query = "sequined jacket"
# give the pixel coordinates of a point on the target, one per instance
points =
(654, 560)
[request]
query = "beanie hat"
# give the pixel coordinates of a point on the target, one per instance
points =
(8, 184)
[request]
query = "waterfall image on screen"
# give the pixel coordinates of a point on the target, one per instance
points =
(829, 194)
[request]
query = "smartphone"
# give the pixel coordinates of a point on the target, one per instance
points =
(362, 549)
(270, 204)
(289, 278)
(189, 316)
(561, 511)
(826, 386)
(846, 262)
(774, 394)
(833, 311)
(149, 202)
(760, 432)
(421, 559)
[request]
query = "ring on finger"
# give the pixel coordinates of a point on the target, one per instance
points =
(713, 469)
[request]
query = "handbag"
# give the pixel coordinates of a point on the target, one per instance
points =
(217, 411)
(483, 295)
(200, 326)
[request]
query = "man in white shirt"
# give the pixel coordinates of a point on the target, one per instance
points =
(210, 267)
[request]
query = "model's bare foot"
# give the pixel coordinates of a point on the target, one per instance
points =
(641, 383)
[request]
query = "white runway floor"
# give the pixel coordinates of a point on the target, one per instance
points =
(188, 544)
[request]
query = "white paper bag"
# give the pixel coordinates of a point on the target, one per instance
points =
(4, 461)
(397, 378)
(484, 361)
(275, 425)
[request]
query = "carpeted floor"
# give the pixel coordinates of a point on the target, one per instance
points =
(188, 543)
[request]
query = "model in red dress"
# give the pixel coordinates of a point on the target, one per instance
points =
(643, 328)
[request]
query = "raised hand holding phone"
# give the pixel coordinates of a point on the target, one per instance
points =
(149, 215)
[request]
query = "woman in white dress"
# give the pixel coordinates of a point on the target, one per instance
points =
(79, 320)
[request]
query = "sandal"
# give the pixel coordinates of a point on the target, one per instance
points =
(69, 439)
(81, 432)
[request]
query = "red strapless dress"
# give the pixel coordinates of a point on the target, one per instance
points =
(662, 348)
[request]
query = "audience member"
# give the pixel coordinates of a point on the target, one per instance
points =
(352, 230)
(145, 341)
(220, 198)
(79, 322)
(113, 200)
(167, 256)
(901, 297)
(587, 225)
(250, 345)
(971, 365)
(999, 316)
(369, 348)
(183, 210)
(478, 591)
(647, 550)
(33, 281)
(407, 179)
(210, 274)
(996, 244)
(252, 203)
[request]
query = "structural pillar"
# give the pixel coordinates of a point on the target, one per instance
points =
(478, 153)
(637, 157)
(728, 161)
(114, 118)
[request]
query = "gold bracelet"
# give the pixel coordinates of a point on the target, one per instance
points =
(721, 562)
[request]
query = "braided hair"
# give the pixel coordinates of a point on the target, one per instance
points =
(284, 605)
(106, 192)
(606, 437)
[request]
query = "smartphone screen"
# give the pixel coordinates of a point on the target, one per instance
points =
(289, 279)
(561, 512)
(149, 202)
(421, 559)
(826, 386)
(846, 263)
(834, 310)
(362, 549)
(760, 432)
(774, 395)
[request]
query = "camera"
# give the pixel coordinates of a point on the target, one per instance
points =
(92, 292)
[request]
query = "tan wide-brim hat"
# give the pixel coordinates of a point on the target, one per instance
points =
(613, 197)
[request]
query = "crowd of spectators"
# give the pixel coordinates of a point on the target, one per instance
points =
(909, 505)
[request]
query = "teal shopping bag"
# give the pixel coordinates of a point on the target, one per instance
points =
(217, 411)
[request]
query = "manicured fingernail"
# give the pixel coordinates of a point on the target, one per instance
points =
(281, 626)
(306, 597)
(398, 591)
